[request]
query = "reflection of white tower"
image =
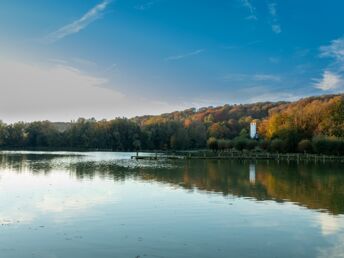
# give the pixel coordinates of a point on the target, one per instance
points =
(252, 173)
(253, 130)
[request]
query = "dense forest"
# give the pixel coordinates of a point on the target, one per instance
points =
(313, 125)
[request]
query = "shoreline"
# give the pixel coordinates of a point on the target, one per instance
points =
(199, 154)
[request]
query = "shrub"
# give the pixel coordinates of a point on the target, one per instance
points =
(328, 145)
(224, 144)
(263, 144)
(251, 144)
(291, 138)
(212, 144)
(305, 146)
(240, 143)
(277, 145)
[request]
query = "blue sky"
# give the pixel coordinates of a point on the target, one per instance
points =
(102, 58)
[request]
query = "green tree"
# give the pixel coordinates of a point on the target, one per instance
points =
(305, 146)
(212, 144)
(277, 145)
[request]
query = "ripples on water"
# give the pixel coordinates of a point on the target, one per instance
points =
(62, 204)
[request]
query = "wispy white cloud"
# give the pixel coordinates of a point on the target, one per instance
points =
(334, 50)
(266, 77)
(182, 56)
(329, 81)
(111, 68)
(238, 77)
(275, 26)
(60, 92)
(274, 60)
(259, 92)
(51, 91)
(234, 77)
(84, 62)
(92, 15)
(76, 61)
(58, 61)
(252, 10)
(301, 53)
(272, 9)
(332, 78)
(261, 95)
(145, 5)
(246, 45)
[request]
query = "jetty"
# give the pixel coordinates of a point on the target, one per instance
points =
(206, 155)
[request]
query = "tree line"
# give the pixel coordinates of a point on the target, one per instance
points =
(313, 125)
(119, 134)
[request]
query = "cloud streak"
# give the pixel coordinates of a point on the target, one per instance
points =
(91, 16)
(334, 50)
(275, 26)
(251, 78)
(182, 56)
(248, 5)
(332, 78)
(60, 92)
(330, 81)
(51, 91)
(145, 5)
(266, 77)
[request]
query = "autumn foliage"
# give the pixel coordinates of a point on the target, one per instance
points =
(312, 125)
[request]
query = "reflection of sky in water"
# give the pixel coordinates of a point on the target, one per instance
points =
(58, 214)
(26, 197)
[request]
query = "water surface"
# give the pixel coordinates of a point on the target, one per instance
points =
(73, 205)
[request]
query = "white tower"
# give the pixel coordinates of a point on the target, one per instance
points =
(253, 130)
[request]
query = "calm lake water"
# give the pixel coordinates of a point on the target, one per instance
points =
(102, 205)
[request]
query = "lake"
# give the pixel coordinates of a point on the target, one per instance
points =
(102, 205)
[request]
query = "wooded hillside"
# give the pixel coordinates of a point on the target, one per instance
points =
(314, 124)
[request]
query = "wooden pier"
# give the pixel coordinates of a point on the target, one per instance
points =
(242, 156)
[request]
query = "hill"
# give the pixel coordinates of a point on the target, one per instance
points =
(303, 125)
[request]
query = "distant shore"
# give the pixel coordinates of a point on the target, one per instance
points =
(201, 154)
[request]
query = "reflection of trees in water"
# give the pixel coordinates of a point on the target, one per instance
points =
(41, 163)
(24, 162)
(316, 186)
(91, 169)
(215, 176)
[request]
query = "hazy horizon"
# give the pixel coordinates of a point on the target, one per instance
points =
(107, 58)
(158, 114)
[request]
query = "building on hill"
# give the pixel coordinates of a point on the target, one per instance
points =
(253, 130)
